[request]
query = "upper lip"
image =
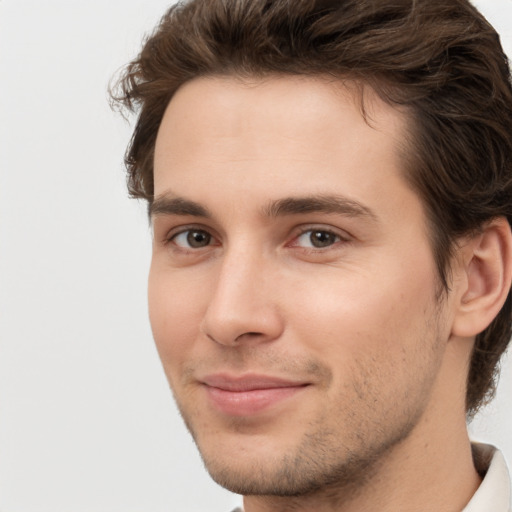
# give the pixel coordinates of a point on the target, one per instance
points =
(249, 382)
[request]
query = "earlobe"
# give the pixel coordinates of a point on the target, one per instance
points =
(488, 276)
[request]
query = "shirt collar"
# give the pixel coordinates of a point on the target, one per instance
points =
(494, 491)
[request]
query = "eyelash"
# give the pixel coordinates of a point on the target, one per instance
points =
(338, 238)
(172, 238)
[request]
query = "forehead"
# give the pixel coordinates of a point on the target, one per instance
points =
(235, 105)
(307, 130)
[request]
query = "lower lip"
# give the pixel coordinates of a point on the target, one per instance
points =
(247, 403)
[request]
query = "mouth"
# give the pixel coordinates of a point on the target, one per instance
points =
(249, 394)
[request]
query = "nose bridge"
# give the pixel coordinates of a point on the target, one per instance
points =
(240, 265)
(242, 302)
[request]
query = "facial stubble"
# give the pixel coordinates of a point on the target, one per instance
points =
(341, 457)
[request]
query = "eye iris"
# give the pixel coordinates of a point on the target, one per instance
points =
(198, 238)
(322, 238)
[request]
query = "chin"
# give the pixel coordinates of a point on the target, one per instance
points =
(315, 463)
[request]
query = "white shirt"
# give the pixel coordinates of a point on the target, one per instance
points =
(494, 492)
(493, 495)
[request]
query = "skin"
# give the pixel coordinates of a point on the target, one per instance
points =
(342, 298)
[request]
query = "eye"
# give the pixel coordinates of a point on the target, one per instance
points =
(317, 238)
(192, 239)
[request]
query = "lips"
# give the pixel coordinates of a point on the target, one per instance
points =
(250, 394)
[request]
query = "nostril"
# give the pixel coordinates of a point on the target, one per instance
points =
(248, 335)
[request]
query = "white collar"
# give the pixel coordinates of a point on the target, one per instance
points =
(494, 491)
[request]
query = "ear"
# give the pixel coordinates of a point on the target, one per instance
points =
(486, 279)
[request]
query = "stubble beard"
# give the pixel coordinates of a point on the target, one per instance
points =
(336, 460)
(313, 468)
(337, 466)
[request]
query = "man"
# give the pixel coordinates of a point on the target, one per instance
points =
(330, 189)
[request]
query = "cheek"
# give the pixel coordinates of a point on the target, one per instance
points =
(175, 313)
(380, 342)
(382, 312)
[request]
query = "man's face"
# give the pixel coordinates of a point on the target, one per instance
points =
(292, 289)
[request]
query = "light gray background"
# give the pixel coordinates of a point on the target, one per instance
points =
(86, 420)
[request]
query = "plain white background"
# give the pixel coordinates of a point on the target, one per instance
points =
(87, 422)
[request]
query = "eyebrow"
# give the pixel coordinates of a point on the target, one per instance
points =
(319, 204)
(173, 205)
(331, 204)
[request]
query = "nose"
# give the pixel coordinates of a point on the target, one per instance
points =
(244, 306)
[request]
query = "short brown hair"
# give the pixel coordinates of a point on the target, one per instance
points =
(439, 58)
